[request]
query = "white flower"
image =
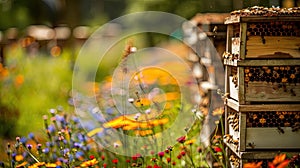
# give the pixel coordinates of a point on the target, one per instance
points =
(137, 115)
(130, 100)
(52, 111)
(148, 111)
(116, 145)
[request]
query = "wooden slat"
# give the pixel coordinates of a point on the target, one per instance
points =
(264, 62)
(237, 19)
(287, 45)
(241, 91)
(262, 107)
(233, 104)
(269, 18)
(271, 138)
(243, 40)
(243, 131)
(268, 92)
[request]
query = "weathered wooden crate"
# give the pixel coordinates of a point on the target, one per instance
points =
(268, 80)
(257, 127)
(258, 37)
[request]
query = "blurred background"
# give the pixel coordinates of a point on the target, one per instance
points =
(39, 41)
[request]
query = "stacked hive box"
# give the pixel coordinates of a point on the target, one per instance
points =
(262, 62)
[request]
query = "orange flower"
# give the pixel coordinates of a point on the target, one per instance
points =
(21, 165)
(279, 158)
(143, 132)
(159, 122)
(36, 165)
(253, 165)
(279, 161)
(283, 164)
(19, 80)
(19, 158)
(3, 73)
(89, 163)
(142, 102)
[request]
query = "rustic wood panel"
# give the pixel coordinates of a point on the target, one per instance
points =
(270, 92)
(288, 46)
(261, 107)
(271, 138)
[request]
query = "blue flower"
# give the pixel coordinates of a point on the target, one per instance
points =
(51, 128)
(54, 157)
(60, 118)
(75, 119)
(76, 145)
(46, 150)
(109, 110)
(81, 137)
(13, 155)
(31, 135)
(49, 144)
(79, 154)
(66, 151)
(23, 140)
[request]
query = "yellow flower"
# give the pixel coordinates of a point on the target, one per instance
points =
(89, 163)
(50, 165)
(142, 102)
(94, 131)
(36, 165)
(19, 158)
(190, 142)
(118, 122)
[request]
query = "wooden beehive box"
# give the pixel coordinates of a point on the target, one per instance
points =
(266, 80)
(256, 127)
(259, 33)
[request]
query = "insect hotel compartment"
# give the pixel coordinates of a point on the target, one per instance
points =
(259, 33)
(268, 129)
(264, 83)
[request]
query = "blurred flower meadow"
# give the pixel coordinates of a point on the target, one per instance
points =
(57, 137)
(32, 84)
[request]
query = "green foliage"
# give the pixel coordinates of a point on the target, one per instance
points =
(33, 85)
